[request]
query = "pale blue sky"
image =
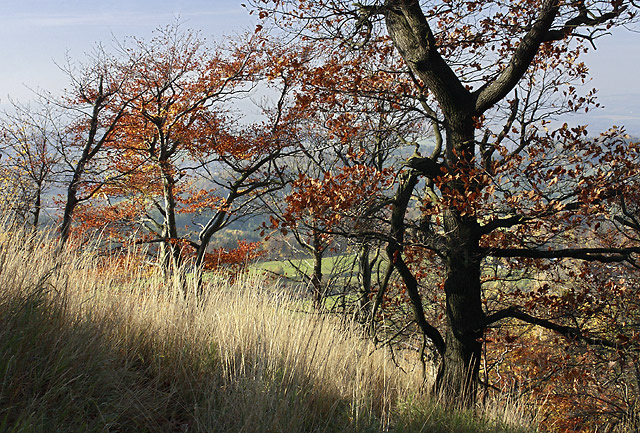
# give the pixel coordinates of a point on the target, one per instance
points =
(34, 34)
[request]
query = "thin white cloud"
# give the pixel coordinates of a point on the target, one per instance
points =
(30, 20)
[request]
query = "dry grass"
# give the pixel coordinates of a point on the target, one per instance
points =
(89, 346)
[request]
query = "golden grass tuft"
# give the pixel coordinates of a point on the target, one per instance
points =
(90, 346)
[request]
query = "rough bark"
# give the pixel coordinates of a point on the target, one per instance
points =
(458, 374)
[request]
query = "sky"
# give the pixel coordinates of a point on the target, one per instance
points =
(37, 34)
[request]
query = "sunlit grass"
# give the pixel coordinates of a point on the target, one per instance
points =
(88, 344)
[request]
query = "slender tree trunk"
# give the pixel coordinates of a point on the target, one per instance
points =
(70, 205)
(65, 228)
(170, 252)
(316, 277)
(408, 182)
(37, 208)
(364, 275)
(214, 225)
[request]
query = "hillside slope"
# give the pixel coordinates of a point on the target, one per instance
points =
(89, 344)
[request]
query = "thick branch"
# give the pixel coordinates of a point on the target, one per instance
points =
(488, 95)
(408, 182)
(503, 223)
(570, 332)
(414, 39)
(604, 255)
(425, 166)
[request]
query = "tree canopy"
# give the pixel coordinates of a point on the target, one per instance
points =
(507, 183)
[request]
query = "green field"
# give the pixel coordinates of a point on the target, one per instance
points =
(339, 266)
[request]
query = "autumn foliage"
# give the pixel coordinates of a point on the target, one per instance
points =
(420, 138)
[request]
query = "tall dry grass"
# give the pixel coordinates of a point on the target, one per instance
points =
(89, 344)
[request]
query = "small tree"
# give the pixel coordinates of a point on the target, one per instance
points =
(30, 163)
(178, 148)
(347, 144)
(92, 109)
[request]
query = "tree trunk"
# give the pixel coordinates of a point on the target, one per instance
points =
(364, 275)
(170, 251)
(37, 208)
(70, 206)
(316, 276)
(458, 374)
(212, 227)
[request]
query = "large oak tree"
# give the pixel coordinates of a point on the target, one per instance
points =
(508, 183)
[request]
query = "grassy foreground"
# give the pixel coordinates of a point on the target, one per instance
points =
(88, 345)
